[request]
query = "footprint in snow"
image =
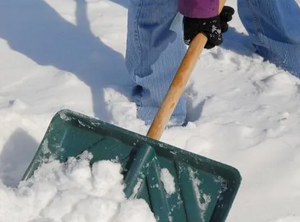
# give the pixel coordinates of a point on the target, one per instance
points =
(278, 84)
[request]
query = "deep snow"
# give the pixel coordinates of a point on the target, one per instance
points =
(57, 54)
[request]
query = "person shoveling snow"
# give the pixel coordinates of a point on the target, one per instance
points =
(155, 44)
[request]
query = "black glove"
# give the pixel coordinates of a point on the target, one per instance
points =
(226, 16)
(211, 27)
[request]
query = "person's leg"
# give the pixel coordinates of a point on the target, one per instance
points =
(154, 51)
(274, 26)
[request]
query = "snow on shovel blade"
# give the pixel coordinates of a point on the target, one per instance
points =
(179, 186)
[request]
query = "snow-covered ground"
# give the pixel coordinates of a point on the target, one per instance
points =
(59, 54)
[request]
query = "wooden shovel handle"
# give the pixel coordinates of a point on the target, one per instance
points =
(178, 84)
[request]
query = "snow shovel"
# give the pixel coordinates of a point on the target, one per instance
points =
(201, 190)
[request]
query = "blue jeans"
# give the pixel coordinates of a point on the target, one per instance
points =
(274, 27)
(154, 51)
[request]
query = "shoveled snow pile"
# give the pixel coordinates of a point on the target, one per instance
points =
(73, 192)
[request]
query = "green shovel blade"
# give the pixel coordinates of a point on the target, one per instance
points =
(204, 189)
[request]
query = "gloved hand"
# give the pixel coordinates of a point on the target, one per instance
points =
(226, 16)
(211, 27)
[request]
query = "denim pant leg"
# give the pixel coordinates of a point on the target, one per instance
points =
(274, 26)
(154, 51)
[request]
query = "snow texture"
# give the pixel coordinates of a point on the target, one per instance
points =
(72, 192)
(168, 181)
(55, 54)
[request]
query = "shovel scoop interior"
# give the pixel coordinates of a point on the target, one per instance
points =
(179, 186)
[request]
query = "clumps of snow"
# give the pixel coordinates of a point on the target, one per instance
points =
(203, 199)
(45, 147)
(168, 181)
(73, 191)
(137, 187)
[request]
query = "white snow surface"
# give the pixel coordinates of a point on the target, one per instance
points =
(58, 54)
(73, 192)
(168, 181)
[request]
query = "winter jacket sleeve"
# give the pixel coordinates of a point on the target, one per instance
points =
(199, 8)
